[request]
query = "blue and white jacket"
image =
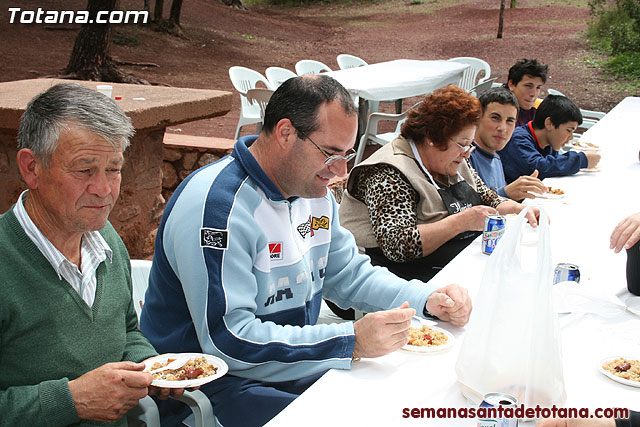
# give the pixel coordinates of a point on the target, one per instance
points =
(239, 272)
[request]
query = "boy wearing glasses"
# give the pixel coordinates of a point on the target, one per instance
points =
(248, 247)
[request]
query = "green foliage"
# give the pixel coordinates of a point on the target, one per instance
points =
(625, 65)
(615, 29)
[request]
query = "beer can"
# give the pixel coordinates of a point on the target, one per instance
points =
(494, 226)
(493, 400)
(566, 272)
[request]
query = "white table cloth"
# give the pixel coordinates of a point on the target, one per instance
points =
(375, 391)
(401, 78)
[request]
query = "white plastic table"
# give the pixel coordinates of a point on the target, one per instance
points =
(398, 79)
(375, 391)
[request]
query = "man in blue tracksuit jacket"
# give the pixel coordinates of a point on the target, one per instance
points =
(536, 144)
(248, 247)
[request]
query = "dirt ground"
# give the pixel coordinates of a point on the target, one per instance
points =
(219, 37)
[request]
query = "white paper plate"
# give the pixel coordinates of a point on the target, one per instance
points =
(590, 170)
(633, 305)
(580, 148)
(547, 195)
(423, 349)
(615, 377)
(220, 364)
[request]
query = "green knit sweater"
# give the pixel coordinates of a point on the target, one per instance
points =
(49, 335)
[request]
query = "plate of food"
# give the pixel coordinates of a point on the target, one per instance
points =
(625, 370)
(552, 193)
(428, 339)
(197, 370)
(583, 146)
(590, 170)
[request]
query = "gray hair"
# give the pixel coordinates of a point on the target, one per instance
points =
(67, 104)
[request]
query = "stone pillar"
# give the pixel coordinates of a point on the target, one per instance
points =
(11, 184)
(137, 213)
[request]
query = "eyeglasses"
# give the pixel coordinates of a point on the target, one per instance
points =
(465, 149)
(332, 159)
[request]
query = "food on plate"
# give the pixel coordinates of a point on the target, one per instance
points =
(426, 337)
(555, 191)
(580, 144)
(584, 144)
(624, 368)
(195, 368)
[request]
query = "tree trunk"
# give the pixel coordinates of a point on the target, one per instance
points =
(157, 11)
(514, 3)
(501, 19)
(174, 16)
(90, 58)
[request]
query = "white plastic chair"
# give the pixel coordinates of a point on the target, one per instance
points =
(310, 66)
(147, 410)
(261, 98)
(346, 61)
(470, 77)
(244, 79)
(478, 89)
(278, 75)
(587, 115)
(371, 131)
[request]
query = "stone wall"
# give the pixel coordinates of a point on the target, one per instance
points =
(180, 159)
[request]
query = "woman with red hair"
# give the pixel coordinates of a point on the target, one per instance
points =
(416, 203)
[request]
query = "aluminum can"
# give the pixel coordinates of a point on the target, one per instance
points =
(493, 400)
(566, 272)
(494, 226)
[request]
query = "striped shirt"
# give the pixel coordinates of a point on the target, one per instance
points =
(93, 250)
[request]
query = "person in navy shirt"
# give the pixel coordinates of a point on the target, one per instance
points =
(535, 146)
(525, 80)
(499, 113)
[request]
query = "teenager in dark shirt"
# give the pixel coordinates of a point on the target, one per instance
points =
(526, 78)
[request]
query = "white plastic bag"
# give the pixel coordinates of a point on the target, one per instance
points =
(512, 343)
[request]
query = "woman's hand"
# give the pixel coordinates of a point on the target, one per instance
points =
(473, 218)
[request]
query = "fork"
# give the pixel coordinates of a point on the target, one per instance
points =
(178, 363)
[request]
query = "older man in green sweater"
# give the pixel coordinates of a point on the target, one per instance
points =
(69, 343)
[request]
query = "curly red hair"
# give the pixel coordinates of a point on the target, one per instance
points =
(441, 115)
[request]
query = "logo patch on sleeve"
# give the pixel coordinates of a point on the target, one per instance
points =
(312, 224)
(212, 238)
(275, 250)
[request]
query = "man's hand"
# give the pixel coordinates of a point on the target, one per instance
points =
(451, 304)
(576, 422)
(522, 187)
(381, 333)
(164, 393)
(592, 159)
(110, 391)
(626, 234)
